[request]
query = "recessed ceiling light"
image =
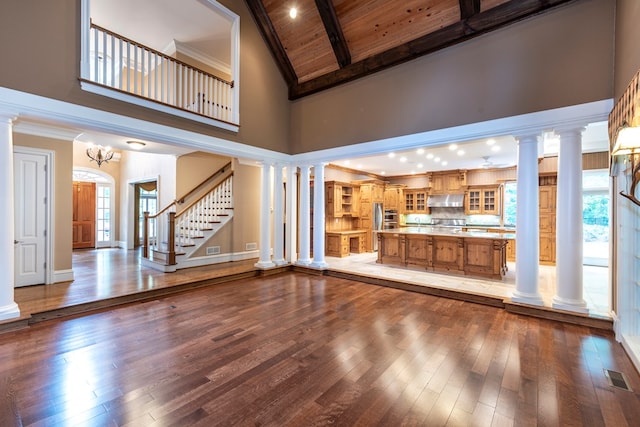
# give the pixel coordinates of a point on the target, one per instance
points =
(420, 165)
(444, 163)
(347, 162)
(452, 147)
(495, 148)
(359, 165)
(436, 159)
(413, 172)
(403, 159)
(420, 151)
(429, 156)
(491, 141)
(293, 12)
(391, 155)
(460, 152)
(382, 173)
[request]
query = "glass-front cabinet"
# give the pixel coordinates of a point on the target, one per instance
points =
(415, 201)
(484, 200)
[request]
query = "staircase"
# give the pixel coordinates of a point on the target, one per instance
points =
(175, 235)
(202, 219)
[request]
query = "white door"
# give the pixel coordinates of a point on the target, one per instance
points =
(30, 218)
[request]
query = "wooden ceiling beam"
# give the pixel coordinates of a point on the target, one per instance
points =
(479, 23)
(468, 8)
(334, 32)
(270, 37)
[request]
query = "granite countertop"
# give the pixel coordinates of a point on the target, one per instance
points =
(448, 231)
(493, 227)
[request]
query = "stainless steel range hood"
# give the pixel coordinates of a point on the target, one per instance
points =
(445, 201)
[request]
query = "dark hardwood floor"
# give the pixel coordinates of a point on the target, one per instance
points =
(109, 277)
(301, 350)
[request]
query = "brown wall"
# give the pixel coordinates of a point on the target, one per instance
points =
(245, 226)
(63, 197)
(193, 168)
(44, 58)
(561, 58)
(626, 44)
(246, 212)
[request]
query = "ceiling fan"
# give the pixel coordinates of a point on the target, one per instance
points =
(488, 164)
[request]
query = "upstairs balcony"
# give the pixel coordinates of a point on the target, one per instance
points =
(122, 68)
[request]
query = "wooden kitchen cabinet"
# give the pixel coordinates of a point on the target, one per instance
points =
(547, 206)
(392, 198)
(342, 199)
(415, 201)
(341, 243)
(449, 182)
(483, 200)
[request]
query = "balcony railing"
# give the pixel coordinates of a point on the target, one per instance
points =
(127, 66)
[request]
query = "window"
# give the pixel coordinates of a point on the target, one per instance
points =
(595, 217)
(510, 203)
(104, 214)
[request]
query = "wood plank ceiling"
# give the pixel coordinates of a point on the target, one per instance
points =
(334, 41)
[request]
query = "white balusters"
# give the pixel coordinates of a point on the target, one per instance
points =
(127, 66)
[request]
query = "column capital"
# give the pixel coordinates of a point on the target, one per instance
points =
(528, 139)
(530, 135)
(320, 165)
(569, 130)
(7, 117)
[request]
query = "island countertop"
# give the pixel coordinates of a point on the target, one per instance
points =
(472, 253)
(448, 231)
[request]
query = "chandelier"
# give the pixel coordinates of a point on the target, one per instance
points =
(99, 154)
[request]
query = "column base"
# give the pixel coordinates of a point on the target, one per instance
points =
(280, 262)
(303, 262)
(264, 264)
(10, 311)
(577, 306)
(524, 298)
(319, 265)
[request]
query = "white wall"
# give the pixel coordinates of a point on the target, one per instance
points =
(139, 167)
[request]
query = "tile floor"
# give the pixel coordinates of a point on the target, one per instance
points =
(595, 279)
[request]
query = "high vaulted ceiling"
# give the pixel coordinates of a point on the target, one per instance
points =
(334, 41)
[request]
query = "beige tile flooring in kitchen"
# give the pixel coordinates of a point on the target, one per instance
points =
(595, 279)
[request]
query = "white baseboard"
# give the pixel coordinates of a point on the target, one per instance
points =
(215, 259)
(62, 276)
(632, 346)
(616, 325)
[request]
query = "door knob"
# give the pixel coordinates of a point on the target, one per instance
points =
(15, 242)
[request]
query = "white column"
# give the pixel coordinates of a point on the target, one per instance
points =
(569, 250)
(265, 219)
(318, 217)
(8, 308)
(278, 216)
(527, 223)
(291, 241)
(305, 226)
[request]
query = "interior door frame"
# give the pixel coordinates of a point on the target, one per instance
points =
(131, 201)
(111, 184)
(49, 238)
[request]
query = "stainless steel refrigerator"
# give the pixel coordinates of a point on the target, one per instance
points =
(377, 223)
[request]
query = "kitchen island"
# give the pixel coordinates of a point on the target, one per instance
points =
(472, 253)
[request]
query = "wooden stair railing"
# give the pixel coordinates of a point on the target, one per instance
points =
(165, 233)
